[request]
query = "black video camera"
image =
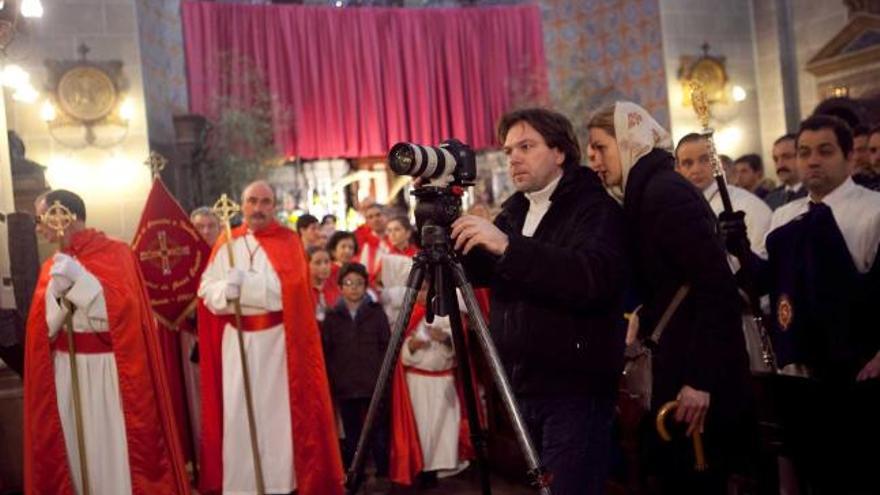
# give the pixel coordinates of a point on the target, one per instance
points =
(447, 169)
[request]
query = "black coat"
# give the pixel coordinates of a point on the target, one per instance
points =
(556, 303)
(673, 240)
(354, 349)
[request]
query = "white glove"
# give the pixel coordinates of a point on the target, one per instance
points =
(65, 272)
(234, 281)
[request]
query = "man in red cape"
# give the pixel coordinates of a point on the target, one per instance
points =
(131, 442)
(294, 416)
(407, 458)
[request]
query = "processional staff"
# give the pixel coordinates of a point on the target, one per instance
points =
(225, 209)
(58, 218)
(701, 107)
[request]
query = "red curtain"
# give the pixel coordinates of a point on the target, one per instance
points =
(353, 81)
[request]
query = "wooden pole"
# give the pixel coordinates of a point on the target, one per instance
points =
(58, 218)
(225, 208)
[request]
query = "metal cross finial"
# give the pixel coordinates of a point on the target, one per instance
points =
(83, 51)
(700, 102)
(156, 162)
(58, 217)
(705, 48)
(226, 208)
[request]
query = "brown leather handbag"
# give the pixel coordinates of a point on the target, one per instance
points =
(637, 374)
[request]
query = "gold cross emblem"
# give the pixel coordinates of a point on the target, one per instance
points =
(165, 252)
(58, 217)
(226, 208)
(156, 162)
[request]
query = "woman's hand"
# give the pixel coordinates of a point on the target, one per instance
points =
(692, 407)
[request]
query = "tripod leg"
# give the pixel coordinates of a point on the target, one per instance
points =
(413, 284)
(470, 391)
(538, 477)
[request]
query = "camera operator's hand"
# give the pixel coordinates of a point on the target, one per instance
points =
(470, 231)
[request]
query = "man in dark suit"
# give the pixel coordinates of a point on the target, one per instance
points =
(785, 159)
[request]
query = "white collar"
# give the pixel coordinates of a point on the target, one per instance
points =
(543, 196)
(836, 197)
(711, 189)
(795, 188)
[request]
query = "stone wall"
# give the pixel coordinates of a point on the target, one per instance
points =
(113, 181)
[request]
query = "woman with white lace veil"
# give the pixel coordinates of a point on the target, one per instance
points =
(700, 359)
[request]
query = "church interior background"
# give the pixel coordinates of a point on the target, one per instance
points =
(91, 86)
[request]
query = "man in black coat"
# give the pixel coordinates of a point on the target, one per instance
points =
(554, 261)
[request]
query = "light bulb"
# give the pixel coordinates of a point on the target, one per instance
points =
(25, 94)
(738, 93)
(126, 110)
(14, 76)
(47, 111)
(31, 8)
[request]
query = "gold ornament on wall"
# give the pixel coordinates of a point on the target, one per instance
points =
(710, 70)
(87, 106)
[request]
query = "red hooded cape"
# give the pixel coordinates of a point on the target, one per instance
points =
(406, 453)
(316, 452)
(155, 457)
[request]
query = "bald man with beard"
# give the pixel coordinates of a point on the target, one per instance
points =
(295, 426)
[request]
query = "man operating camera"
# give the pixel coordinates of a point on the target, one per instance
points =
(553, 261)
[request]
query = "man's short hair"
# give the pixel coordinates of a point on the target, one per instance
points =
(785, 137)
(352, 268)
(329, 216)
(874, 130)
(203, 211)
(861, 130)
(554, 127)
(839, 126)
(753, 161)
(688, 138)
(69, 200)
(304, 221)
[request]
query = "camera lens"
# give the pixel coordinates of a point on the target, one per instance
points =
(420, 161)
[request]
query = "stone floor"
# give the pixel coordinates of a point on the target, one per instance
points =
(465, 484)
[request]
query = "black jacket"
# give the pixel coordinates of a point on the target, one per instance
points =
(354, 349)
(673, 240)
(556, 303)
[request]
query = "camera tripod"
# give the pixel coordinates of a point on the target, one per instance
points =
(439, 263)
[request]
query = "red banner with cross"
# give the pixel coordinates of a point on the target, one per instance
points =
(172, 257)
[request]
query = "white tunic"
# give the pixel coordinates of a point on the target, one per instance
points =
(192, 381)
(856, 211)
(395, 271)
(757, 212)
(103, 424)
(267, 365)
(434, 398)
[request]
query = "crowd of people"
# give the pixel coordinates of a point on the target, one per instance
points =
(643, 231)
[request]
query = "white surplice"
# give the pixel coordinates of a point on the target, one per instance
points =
(192, 381)
(434, 398)
(267, 365)
(103, 424)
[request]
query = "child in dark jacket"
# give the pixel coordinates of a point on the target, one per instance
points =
(355, 335)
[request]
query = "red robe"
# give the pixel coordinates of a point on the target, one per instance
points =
(406, 453)
(317, 462)
(154, 452)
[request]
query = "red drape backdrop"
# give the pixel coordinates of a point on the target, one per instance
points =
(354, 81)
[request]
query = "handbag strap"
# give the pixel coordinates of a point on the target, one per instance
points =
(670, 310)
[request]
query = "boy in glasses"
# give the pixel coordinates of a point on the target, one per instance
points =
(355, 336)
